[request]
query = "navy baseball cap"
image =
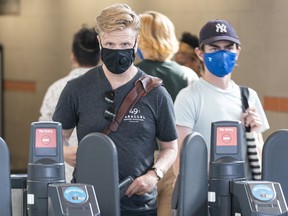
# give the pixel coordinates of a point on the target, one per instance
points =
(216, 30)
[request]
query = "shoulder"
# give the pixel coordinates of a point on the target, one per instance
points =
(193, 88)
(88, 77)
(252, 92)
(189, 73)
(159, 94)
(147, 65)
(188, 92)
(58, 85)
(160, 90)
(180, 69)
(192, 93)
(253, 97)
(61, 81)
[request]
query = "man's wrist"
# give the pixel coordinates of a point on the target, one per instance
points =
(158, 172)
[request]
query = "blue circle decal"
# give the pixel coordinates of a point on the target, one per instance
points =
(263, 192)
(75, 195)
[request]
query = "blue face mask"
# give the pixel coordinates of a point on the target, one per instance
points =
(220, 63)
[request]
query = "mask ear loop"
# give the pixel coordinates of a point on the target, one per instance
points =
(100, 42)
(135, 43)
(135, 51)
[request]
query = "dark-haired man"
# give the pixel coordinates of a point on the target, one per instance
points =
(215, 97)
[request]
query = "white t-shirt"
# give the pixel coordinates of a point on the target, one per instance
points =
(202, 103)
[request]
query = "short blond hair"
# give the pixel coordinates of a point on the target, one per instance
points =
(157, 36)
(117, 17)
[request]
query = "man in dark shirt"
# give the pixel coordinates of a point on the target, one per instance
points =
(91, 101)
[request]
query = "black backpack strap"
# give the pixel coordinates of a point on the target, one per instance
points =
(244, 97)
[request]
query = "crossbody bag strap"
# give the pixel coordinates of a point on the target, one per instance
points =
(141, 88)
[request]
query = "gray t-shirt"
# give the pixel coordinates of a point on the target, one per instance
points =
(82, 105)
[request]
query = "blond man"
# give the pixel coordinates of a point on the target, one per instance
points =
(91, 102)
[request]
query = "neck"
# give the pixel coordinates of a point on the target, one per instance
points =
(220, 82)
(117, 80)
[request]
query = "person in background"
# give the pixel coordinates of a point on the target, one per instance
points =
(157, 45)
(186, 54)
(91, 102)
(216, 97)
(85, 55)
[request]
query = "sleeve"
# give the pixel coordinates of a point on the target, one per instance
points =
(166, 127)
(65, 111)
(185, 109)
(255, 102)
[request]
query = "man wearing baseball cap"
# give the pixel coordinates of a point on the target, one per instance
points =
(215, 97)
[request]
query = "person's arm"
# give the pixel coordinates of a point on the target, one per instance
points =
(148, 181)
(182, 133)
(167, 155)
(69, 151)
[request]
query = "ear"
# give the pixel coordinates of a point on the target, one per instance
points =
(200, 54)
(238, 52)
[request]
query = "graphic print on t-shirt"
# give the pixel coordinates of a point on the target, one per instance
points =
(134, 115)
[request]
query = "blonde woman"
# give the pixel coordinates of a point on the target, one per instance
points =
(157, 45)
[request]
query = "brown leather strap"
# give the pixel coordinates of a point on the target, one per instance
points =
(141, 88)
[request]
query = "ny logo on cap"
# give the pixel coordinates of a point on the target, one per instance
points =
(221, 27)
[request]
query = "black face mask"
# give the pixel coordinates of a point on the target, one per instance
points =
(117, 60)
